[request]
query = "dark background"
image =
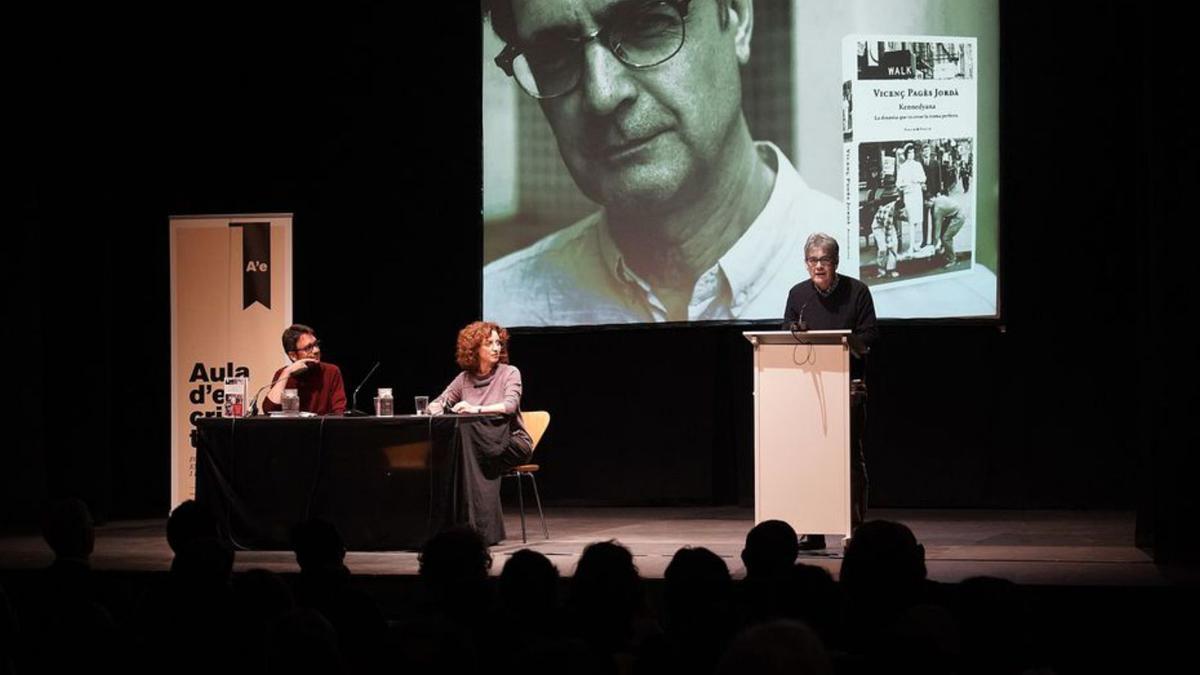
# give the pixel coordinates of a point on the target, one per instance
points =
(363, 121)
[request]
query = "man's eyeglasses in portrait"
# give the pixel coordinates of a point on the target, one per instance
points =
(640, 34)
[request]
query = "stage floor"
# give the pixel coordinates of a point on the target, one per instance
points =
(1067, 548)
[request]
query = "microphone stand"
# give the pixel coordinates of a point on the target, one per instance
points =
(353, 410)
(254, 403)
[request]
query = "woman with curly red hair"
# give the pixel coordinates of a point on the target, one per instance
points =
(491, 446)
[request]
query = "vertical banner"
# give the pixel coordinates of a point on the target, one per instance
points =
(231, 298)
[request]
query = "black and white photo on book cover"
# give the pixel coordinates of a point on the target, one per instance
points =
(935, 59)
(916, 212)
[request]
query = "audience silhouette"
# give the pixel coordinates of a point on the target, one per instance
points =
(606, 606)
(326, 586)
(882, 614)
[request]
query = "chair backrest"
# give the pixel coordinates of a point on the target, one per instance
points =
(536, 422)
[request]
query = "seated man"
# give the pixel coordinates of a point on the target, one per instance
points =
(320, 384)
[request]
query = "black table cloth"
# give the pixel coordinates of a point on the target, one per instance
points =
(384, 482)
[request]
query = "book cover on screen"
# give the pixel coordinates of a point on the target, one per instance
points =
(909, 121)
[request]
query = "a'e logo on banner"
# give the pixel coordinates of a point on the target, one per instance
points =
(256, 258)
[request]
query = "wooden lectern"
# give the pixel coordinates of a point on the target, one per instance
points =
(802, 429)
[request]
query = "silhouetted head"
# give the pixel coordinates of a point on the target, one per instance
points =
(455, 555)
(189, 521)
(606, 575)
(67, 528)
(318, 546)
(882, 556)
(776, 648)
(697, 583)
(771, 548)
(529, 583)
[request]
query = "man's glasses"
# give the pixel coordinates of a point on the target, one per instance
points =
(315, 345)
(642, 36)
(827, 260)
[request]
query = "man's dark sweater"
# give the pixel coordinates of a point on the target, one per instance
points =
(848, 307)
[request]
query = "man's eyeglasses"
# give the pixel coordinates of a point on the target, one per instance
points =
(642, 36)
(313, 346)
(827, 260)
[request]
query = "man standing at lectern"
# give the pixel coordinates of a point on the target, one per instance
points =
(831, 301)
(319, 384)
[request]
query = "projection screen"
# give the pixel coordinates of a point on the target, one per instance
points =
(665, 161)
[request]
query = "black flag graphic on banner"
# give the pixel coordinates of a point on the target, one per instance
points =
(256, 263)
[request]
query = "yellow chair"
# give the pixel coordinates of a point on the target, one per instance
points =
(536, 422)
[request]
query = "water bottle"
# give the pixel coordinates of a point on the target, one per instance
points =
(384, 405)
(290, 403)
